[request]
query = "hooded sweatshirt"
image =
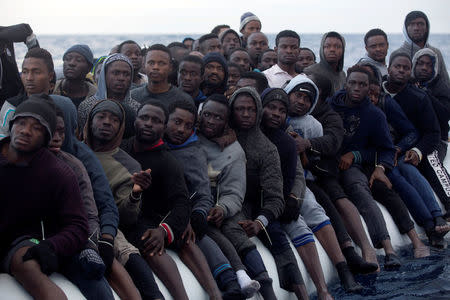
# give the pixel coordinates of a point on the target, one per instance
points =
(264, 195)
(119, 168)
(360, 135)
(129, 104)
(438, 93)
(323, 68)
(410, 48)
(306, 126)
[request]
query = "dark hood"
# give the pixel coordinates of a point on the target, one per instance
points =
(434, 60)
(322, 56)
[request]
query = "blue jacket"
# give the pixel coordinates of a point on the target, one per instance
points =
(366, 131)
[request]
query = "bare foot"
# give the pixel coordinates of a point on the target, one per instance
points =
(324, 296)
(422, 251)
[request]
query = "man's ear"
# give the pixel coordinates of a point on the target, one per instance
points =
(275, 49)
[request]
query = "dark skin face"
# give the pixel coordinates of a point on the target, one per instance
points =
(243, 82)
(213, 119)
(188, 44)
(357, 87)
(257, 43)
(250, 27)
(149, 125)
(58, 136)
(305, 59)
(214, 73)
(287, 50)
(274, 114)
(377, 48)
(230, 42)
(244, 112)
(333, 50)
(118, 79)
(268, 60)
(399, 70)
(158, 66)
(299, 103)
(233, 76)
(242, 59)
(27, 135)
(189, 77)
(211, 45)
(75, 66)
(417, 30)
(424, 68)
(133, 52)
(35, 76)
(180, 126)
(374, 93)
(105, 126)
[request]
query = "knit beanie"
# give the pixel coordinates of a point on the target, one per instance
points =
(414, 15)
(217, 57)
(246, 18)
(306, 88)
(84, 50)
(272, 94)
(110, 106)
(42, 108)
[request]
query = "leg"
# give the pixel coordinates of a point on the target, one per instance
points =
(143, 277)
(121, 282)
(194, 259)
(29, 275)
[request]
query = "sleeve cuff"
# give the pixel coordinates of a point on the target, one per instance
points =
(108, 229)
(169, 232)
(357, 157)
(419, 153)
(263, 220)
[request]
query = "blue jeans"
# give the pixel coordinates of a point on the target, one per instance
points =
(416, 192)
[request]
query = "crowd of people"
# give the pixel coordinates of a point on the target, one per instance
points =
(200, 145)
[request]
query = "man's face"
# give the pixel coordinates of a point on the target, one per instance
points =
(299, 103)
(75, 66)
(424, 68)
(211, 45)
(357, 86)
(133, 52)
(242, 59)
(243, 82)
(305, 59)
(213, 118)
(374, 93)
(257, 43)
(27, 135)
(105, 126)
(230, 42)
(417, 30)
(180, 126)
(35, 76)
(118, 77)
(274, 114)
(178, 53)
(149, 124)
(214, 73)
(268, 60)
(188, 44)
(333, 50)
(287, 50)
(158, 66)
(400, 70)
(244, 112)
(377, 48)
(189, 76)
(250, 27)
(58, 136)
(233, 76)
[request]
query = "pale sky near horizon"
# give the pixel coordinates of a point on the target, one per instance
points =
(177, 16)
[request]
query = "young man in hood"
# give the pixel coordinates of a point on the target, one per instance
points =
(363, 145)
(215, 77)
(77, 62)
(332, 49)
(377, 46)
(287, 44)
(429, 152)
(416, 31)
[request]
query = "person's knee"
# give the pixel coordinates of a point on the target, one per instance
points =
(18, 266)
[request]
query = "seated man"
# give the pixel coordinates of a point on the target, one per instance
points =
(166, 206)
(56, 225)
(103, 131)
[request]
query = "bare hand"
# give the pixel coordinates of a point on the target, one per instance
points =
(346, 161)
(301, 143)
(216, 216)
(188, 234)
(412, 157)
(154, 243)
(252, 228)
(142, 181)
(378, 174)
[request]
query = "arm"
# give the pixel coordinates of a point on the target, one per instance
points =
(333, 134)
(429, 127)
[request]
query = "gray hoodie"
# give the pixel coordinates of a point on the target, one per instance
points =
(323, 67)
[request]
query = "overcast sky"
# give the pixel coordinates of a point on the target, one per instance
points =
(178, 16)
